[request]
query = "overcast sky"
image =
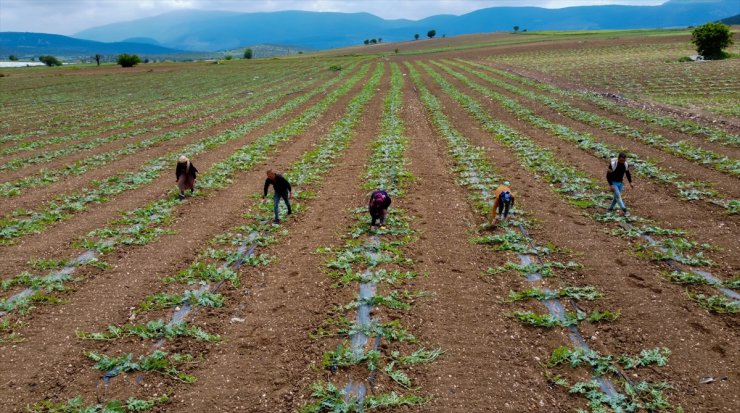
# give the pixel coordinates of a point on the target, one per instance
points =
(71, 16)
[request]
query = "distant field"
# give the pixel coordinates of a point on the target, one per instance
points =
(644, 71)
(118, 296)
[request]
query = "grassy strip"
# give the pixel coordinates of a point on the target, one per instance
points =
(159, 362)
(77, 405)
(154, 329)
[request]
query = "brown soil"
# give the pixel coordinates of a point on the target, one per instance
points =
(37, 245)
(31, 198)
(138, 272)
(491, 362)
(701, 343)
(654, 201)
(668, 133)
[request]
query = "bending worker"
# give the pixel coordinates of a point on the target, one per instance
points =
(503, 200)
(282, 190)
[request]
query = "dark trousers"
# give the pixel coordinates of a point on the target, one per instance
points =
(378, 214)
(503, 207)
(276, 201)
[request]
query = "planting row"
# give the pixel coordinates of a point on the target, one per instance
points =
(140, 226)
(659, 76)
(45, 177)
(370, 350)
(476, 174)
(687, 190)
(198, 108)
(582, 191)
(130, 128)
(215, 268)
(116, 103)
(21, 223)
(683, 149)
(711, 134)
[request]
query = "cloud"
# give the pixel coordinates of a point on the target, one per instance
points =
(71, 16)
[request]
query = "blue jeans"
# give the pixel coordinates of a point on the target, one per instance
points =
(617, 196)
(276, 203)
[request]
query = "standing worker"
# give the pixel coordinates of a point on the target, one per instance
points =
(185, 174)
(503, 200)
(618, 168)
(282, 190)
(378, 206)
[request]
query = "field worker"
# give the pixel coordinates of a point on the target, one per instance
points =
(282, 190)
(503, 200)
(185, 174)
(615, 173)
(378, 206)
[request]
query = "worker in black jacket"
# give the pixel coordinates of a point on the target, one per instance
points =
(282, 190)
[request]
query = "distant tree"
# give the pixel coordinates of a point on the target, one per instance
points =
(50, 61)
(248, 54)
(710, 39)
(228, 57)
(416, 36)
(128, 60)
(524, 30)
(431, 34)
(13, 58)
(516, 29)
(373, 41)
(396, 51)
(380, 40)
(367, 41)
(97, 58)
(444, 35)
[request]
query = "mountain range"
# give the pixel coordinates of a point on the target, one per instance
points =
(35, 44)
(209, 31)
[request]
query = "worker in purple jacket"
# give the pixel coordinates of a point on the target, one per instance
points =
(378, 206)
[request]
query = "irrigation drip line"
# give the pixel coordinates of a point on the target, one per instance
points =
(359, 340)
(711, 279)
(245, 251)
(556, 308)
(84, 258)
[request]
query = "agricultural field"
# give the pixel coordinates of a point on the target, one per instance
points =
(648, 71)
(118, 296)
